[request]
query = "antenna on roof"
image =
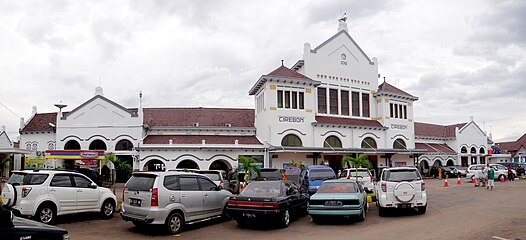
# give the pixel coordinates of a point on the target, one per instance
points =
(384, 79)
(281, 62)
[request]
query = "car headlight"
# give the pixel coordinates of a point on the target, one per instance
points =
(313, 187)
(65, 237)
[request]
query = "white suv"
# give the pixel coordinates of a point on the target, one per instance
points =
(364, 177)
(45, 194)
(401, 187)
(500, 170)
(172, 199)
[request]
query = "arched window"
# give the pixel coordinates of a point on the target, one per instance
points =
(463, 150)
(399, 144)
(97, 145)
(368, 143)
(482, 150)
(72, 145)
(332, 142)
(473, 150)
(291, 140)
(124, 145)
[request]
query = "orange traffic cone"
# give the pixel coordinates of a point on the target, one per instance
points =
(473, 179)
(501, 178)
(446, 184)
(458, 181)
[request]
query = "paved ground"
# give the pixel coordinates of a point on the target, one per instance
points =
(456, 212)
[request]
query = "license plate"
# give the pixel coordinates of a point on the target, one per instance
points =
(135, 202)
(249, 215)
(333, 203)
(404, 205)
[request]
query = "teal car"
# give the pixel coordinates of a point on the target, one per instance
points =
(340, 197)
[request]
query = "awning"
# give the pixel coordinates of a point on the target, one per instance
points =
(15, 151)
(276, 149)
(76, 154)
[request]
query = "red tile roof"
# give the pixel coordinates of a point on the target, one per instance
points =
(206, 117)
(283, 71)
(435, 130)
(514, 145)
(197, 139)
(386, 87)
(435, 147)
(40, 122)
(348, 121)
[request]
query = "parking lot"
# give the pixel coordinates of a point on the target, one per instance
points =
(454, 212)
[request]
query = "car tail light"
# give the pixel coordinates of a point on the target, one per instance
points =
(155, 197)
(423, 186)
(253, 204)
(384, 187)
(25, 191)
(123, 189)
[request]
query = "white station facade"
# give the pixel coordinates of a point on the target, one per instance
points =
(327, 105)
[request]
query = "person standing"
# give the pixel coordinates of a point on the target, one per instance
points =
(439, 172)
(477, 177)
(491, 178)
(510, 174)
(484, 175)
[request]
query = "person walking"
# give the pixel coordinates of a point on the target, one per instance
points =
(477, 177)
(491, 178)
(484, 175)
(510, 174)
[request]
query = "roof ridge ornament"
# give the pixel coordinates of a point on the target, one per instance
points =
(342, 23)
(344, 18)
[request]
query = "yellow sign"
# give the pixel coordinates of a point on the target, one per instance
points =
(34, 162)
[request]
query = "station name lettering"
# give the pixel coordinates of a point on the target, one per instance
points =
(399, 126)
(291, 119)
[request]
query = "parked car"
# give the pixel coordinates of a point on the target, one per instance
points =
(341, 197)
(312, 177)
(519, 168)
(450, 171)
(235, 178)
(217, 176)
(267, 202)
(268, 174)
(12, 228)
(92, 174)
(364, 177)
(172, 199)
(460, 169)
(46, 194)
(401, 187)
(500, 170)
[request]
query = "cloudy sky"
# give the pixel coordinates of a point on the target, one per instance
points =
(461, 58)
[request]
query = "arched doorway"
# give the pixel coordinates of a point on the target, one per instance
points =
(72, 145)
(97, 145)
(473, 158)
(450, 163)
(220, 165)
(123, 145)
(424, 167)
(189, 164)
(463, 157)
(434, 169)
(369, 143)
(155, 165)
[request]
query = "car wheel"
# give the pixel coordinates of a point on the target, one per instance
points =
(382, 212)
(108, 209)
(224, 214)
(422, 210)
(46, 214)
(285, 219)
(174, 223)
(361, 218)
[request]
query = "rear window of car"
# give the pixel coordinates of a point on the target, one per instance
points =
(321, 174)
(263, 189)
(348, 187)
(27, 179)
(403, 175)
(141, 182)
(361, 173)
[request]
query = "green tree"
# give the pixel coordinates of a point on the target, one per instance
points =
(3, 163)
(359, 161)
(248, 164)
(118, 165)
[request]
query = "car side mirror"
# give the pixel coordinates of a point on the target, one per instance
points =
(93, 185)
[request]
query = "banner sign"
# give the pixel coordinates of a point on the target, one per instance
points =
(76, 154)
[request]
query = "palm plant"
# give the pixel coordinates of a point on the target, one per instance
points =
(359, 161)
(248, 164)
(3, 163)
(118, 164)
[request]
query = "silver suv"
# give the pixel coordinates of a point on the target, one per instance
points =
(401, 187)
(172, 199)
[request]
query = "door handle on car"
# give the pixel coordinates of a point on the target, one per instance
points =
(206, 195)
(52, 190)
(79, 190)
(172, 198)
(183, 195)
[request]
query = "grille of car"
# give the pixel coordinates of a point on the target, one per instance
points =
(345, 202)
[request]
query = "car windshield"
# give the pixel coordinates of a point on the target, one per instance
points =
(27, 179)
(262, 189)
(403, 175)
(361, 173)
(322, 174)
(337, 187)
(141, 182)
(212, 176)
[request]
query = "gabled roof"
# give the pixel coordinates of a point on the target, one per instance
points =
(349, 36)
(435, 147)
(133, 114)
(40, 122)
(197, 139)
(348, 121)
(388, 88)
(513, 145)
(435, 130)
(204, 117)
(285, 74)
